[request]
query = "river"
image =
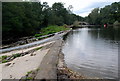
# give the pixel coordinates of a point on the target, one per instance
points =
(93, 52)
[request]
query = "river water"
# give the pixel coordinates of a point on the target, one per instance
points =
(93, 52)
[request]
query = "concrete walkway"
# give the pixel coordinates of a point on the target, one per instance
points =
(48, 66)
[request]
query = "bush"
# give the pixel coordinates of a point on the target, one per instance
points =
(29, 72)
(29, 78)
(16, 55)
(76, 23)
(4, 57)
(4, 61)
(37, 35)
(116, 23)
(65, 25)
(40, 38)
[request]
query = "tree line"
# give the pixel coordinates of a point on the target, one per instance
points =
(107, 15)
(27, 18)
(21, 19)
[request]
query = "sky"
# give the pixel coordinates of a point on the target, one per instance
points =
(82, 7)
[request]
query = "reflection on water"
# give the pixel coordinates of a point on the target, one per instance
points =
(92, 52)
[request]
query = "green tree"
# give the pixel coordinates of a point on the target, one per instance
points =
(94, 16)
(109, 14)
(26, 18)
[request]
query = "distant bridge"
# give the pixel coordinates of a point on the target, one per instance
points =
(80, 24)
(83, 23)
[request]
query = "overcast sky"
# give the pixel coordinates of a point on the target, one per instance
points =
(82, 7)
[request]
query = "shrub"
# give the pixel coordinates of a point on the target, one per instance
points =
(65, 25)
(29, 78)
(40, 38)
(116, 23)
(76, 23)
(37, 35)
(29, 72)
(4, 61)
(4, 57)
(16, 55)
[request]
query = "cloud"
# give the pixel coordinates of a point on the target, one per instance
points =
(86, 10)
(82, 7)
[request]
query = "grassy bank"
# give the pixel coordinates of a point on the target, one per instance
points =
(50, 30)
(43, 33)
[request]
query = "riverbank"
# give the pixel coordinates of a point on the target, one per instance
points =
(42, 34)
(44, 63)
(63, 72)
(53, 66)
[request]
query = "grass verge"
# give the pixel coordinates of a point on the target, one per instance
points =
(51, 30)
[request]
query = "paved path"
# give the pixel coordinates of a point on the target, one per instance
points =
(48, 67)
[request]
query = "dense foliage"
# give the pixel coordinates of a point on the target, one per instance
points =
(27, 18)
(109, 14)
